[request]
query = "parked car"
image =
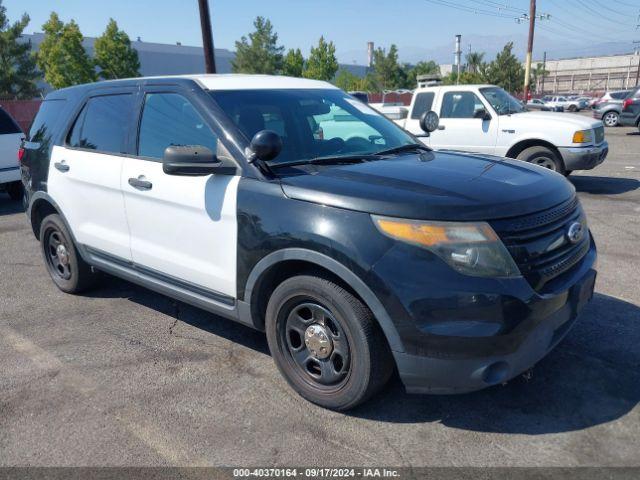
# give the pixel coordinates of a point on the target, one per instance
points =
(10, 136)
(359, 254)
(564, 102)
(486, 119)
(608, 112)
(630, 115)
(612, 95)
(538, 104)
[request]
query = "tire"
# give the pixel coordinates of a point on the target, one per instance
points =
(543, 156)
(572, 108)
(67, 269)
(14, 190)
(610, 119)
(356, 361)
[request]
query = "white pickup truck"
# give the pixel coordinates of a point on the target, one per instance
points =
(10, 135)
(486, 119)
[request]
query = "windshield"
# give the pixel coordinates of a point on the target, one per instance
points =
(501, 101)
(312, 123)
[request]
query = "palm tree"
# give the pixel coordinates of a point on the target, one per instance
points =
(474, 60)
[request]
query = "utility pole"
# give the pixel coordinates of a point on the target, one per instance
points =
(527, 67)
(207, 37)
(638, 70)
(458, 54)
(544, 69)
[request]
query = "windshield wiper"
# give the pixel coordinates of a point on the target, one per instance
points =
(404, 148)
(328, 160)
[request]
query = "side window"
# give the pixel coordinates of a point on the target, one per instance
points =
(7, 125)
(102, 124)
(46, 118)
(170, 119)
(460, 105)
(423, 103)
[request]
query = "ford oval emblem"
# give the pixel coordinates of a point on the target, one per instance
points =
(575, 232)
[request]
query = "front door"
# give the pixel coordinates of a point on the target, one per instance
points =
(461, 127)
(84, 173)
(183, 229)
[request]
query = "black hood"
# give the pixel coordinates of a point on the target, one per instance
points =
(431, 185)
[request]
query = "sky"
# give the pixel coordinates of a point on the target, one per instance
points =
(413, 25)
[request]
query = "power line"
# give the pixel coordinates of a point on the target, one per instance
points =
(470, 9)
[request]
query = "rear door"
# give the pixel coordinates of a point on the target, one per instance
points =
(10, 135)
(460, 126)
(84, 173)
(183, 229)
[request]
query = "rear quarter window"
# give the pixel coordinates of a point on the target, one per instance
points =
(7, 124)
(46, 120)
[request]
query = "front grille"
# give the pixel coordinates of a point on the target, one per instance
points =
(599, 135)
(539, 242)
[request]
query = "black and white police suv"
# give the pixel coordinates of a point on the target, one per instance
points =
(292, 207)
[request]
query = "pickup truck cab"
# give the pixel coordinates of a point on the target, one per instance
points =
(486, 119)
(291, 207)
(10, 136)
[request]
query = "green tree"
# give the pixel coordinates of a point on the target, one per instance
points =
(536, 74)
(474, 61)
(114, 54)
(506, 70)
(387, 73)
(322, 63)
(62, 57)
(420, 68)
(18, 71)
(347, 81)
(293, 63)
(260, 53)
(466, 78)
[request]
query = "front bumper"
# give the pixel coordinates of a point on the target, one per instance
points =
(584, 158)
(467, 334)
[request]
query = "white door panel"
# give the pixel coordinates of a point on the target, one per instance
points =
(183, 227)
(466, 134)
(89, 195)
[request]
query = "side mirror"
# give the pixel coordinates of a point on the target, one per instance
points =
(191, 160)
(482, 114)
(266, 145)
(429, 121)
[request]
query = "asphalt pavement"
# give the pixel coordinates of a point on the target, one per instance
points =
(124, 376)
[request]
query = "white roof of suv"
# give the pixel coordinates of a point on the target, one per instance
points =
(254, 82)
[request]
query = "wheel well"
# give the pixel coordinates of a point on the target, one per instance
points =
(278, 273)
(520, 147)
(39, 211)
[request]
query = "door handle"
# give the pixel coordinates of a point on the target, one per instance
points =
(62, 166)
(140, 183)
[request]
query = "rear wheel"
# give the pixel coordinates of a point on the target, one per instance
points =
(14, 190)
(572, 108)
(67, 269)
(544, 157)
(610, 119)
(326, 343)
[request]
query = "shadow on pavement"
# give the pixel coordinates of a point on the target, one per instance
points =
(604, 185)
(8, 206)
(590, 378)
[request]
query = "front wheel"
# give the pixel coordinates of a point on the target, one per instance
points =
(573, 108)
(326, 343)
(610, 119)
(544, 157)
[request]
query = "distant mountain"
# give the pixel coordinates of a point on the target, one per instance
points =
(491, 45)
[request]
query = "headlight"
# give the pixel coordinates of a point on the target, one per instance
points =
(583, 136)
(470, 248)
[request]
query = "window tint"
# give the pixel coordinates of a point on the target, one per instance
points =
(423, 103)
(7, 125)
(44, 123)
(102, 125)
(460, 105)
(619, 95)
(169, 119)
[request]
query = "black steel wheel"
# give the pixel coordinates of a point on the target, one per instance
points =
(326, 343)
(66, 267)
